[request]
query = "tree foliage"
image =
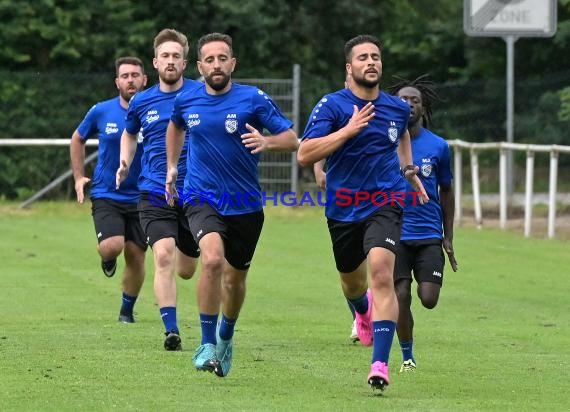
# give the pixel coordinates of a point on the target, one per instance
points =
(57, 60)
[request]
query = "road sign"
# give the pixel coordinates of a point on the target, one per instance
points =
(521, 18)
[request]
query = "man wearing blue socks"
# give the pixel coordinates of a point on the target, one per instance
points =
(115, 213)
(362, 133)
(425, 229)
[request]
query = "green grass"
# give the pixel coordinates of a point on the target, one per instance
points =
(498, 339)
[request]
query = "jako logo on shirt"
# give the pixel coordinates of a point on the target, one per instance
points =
(193, 120)
(152, 116)
(111, 128)
(231, 123)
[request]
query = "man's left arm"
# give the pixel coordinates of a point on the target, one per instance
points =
(409, 171)
(447, 201)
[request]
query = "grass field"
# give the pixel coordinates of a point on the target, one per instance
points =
(499, 339)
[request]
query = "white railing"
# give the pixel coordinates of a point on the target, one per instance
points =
(504, 148)
(457, 145)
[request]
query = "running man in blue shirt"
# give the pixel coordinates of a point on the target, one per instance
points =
(115, 213)
(362, 133)
(222, 194)
(425, 229)
(165, 226)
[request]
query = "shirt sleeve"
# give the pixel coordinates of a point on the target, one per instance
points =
(88, 126)
(176, 115)
(269, 114)
(322, 120)
(445, 176)
(132, 120)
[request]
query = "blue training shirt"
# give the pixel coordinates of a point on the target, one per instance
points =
(149, 112)
(431, 154)
(106, 120)
(221, 170)
(367, 164)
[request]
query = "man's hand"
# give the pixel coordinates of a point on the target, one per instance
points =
(122, 173)
(79, 187)
(448, 247)
(170, 186)
(254, 140)
(321, 179)
(359, 119)
(412, 176)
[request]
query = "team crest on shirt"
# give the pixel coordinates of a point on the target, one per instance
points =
(392, 132)
(231, 123)
(426, 170)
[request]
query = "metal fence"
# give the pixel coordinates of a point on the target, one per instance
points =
(278, 172)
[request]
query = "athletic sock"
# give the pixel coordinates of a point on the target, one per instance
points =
(351, 308)
(407, 350)
(382, 341)
(360, 304)
(168, 315)
(227, 327)
(208, 326)
(128, 304)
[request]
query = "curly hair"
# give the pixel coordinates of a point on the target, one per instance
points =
(426, 88)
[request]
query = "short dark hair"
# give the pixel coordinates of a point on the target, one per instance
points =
(171, 35)
(210, 37)
(426, 88)
(355, 41)
(135, 61)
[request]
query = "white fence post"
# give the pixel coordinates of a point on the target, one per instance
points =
(528, 192)
(552, 193)
(457, 178)
(503, 188)
(476, 192)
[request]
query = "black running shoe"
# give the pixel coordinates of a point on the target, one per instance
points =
(172, 341)
(109, 267)
(125, 318)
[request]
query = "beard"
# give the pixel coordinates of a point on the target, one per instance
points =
(220, 84)
(127, 95)
(368, 84)
(170, 77)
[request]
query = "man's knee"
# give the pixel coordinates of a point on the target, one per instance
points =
(429, 294)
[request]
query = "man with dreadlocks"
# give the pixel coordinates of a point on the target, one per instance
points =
(428, 227)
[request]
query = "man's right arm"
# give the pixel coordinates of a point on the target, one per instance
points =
(313, 150)
(128, 150)
(175, 136)
(77, 155)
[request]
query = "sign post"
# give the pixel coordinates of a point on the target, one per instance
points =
(510, 19)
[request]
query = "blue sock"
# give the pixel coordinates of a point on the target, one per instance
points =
(351, 308)
(407, 350)
(360, 304)
(227, 327)
(128, 304)
(383, 337)
(208, 325)
(168, 315)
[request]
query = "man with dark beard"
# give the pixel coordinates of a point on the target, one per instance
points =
(165, 226)
(223, 199)
(362, 133)
(115, 213)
